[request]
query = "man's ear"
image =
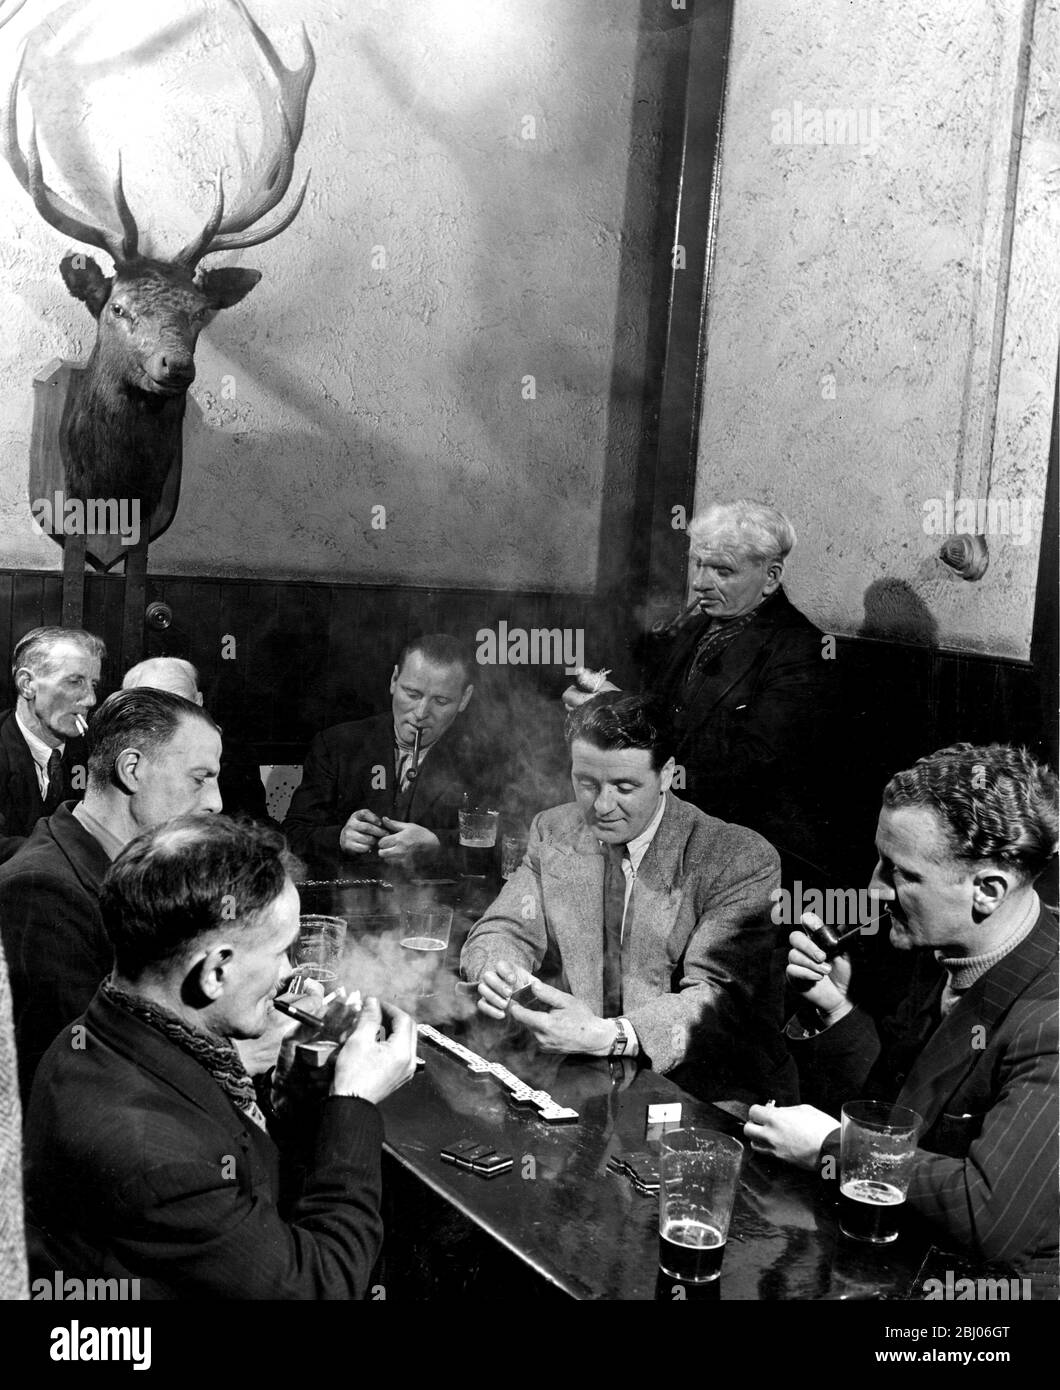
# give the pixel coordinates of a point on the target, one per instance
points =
(666, 774)
(24, 679)
(227, 285)
(209, 973)
(990, 888)
(127, 769)
(774, 574)
(465, 699)
(394, 681)
(85, 281)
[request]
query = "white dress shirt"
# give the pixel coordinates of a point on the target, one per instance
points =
(40, 752)
(636, 849)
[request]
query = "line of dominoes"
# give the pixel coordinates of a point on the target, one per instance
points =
(520, 1092)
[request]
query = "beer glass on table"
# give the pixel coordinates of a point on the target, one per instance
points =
(317, 954)
(699, 1173)
(424, 944)
(877, 1146)
(478, 839)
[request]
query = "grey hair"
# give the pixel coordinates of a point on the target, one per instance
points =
(755, 529)
(148, 673)
(35, 650)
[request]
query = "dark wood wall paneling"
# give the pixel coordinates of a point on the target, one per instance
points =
(306, 655)
(309, 655)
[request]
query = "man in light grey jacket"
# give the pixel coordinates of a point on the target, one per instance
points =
(640, 923)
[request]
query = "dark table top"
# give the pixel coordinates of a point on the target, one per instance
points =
(584, 1230)
(588, 1231)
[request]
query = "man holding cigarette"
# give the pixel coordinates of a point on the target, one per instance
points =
(962, 837)
(147, 1156)
(56, 672)
(154, 756)
(390, 787)
(640, 924)
(745, 678)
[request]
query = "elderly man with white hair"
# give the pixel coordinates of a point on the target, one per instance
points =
(747, 680)
(242, 790)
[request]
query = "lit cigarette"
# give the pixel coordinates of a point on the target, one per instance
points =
(329, 997)
(82, 727)
(677, 623)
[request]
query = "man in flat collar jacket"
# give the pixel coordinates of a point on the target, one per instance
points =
(962, 837)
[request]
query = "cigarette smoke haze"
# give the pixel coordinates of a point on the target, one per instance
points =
(525, 726)
(378, 964)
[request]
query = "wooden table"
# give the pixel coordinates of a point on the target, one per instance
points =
(575, 1229)
(558, 1224)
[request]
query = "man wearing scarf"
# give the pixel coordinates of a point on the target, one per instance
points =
(147, 1155)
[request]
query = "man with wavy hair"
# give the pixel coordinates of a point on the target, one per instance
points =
(962, 837)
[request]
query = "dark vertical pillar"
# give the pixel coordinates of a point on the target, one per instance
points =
(668, 470)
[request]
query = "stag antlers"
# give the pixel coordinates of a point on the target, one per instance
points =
(11, 12)
(220, 233)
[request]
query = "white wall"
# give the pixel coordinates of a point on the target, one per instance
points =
(354, 386)
(877, 273)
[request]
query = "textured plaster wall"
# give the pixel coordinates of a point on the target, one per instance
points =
(870, 346)
(341, 384)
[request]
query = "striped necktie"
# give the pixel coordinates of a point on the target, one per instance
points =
(614, 911)
(54, 773)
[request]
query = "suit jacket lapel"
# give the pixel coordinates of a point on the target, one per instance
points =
(149, 1049)
(734, 661)
(656, 896)
(22, 785)
(572, 887)
(960, 1039)
(85, 855)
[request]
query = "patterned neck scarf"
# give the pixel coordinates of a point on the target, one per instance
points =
(219, 1058)
(714, 640)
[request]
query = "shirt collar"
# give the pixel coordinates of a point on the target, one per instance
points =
(40, 751)
(109, 842)
(637, 848)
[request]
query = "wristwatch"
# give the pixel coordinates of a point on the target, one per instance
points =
(621, 1041)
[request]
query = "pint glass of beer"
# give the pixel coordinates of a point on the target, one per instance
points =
(699, 1172)
(317, 954)
(478, 838)
(424, 944)
(875, 1165)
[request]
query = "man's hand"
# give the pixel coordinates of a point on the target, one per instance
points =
(574, 695)
(406, 839)
(822, 983)
(569, 1025)
(361, 833)
(260, 1055)
(371, 1069)
(794, 1133)
(496, 987)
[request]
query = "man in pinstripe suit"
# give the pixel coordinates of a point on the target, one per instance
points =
(962, 837)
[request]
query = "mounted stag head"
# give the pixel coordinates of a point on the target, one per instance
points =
(121, 429)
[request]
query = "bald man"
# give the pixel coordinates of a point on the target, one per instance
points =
(240, 782)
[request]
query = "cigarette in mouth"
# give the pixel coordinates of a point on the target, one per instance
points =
(82, 727)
